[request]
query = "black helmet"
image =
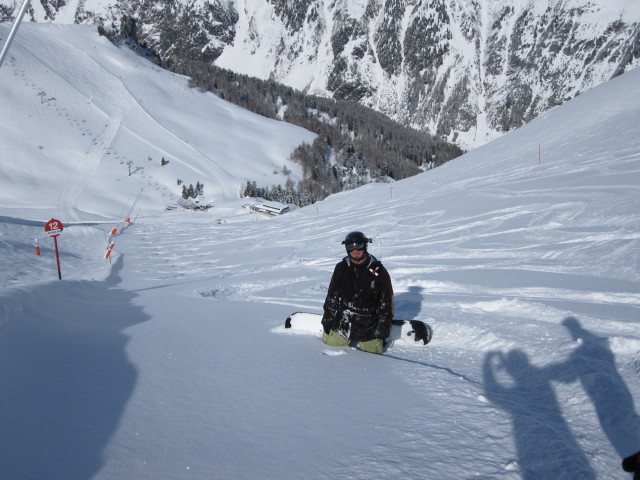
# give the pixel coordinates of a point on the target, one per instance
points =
(356, 241)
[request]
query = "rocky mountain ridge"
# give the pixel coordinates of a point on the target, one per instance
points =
(466, 70)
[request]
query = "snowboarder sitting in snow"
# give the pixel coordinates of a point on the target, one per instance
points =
(359, 303)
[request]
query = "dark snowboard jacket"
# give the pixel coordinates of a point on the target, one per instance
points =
(359, 303)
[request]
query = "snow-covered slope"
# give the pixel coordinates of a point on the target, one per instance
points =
(169, 363)
(95, 122)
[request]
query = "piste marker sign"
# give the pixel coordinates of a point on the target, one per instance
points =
(53, 227)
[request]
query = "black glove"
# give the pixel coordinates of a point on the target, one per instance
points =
(326, 325)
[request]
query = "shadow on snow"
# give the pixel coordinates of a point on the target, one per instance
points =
(64, 376)
(545, 444)
(408, 304)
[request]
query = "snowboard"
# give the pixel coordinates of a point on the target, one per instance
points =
(411, 332)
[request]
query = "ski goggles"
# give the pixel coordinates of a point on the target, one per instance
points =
(355, 246)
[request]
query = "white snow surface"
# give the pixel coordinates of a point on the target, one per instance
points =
(165, 362)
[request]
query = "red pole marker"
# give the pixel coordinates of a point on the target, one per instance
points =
(54, 228)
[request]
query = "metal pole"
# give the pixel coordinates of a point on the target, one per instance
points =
(14, 30)
(539, 153)
(55, 243)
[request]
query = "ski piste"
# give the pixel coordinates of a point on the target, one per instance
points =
(405, 332)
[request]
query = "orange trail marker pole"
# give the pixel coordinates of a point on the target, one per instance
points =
(109, 249)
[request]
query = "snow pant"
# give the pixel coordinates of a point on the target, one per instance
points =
(336, 340)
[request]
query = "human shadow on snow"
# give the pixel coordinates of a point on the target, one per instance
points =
(545, 444)
(594, 364)
(408, 304)
(65, 378)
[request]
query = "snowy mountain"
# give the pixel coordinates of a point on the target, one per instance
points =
(169, 361)
(467, 70)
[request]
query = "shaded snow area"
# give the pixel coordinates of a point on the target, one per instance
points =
(167, 361)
